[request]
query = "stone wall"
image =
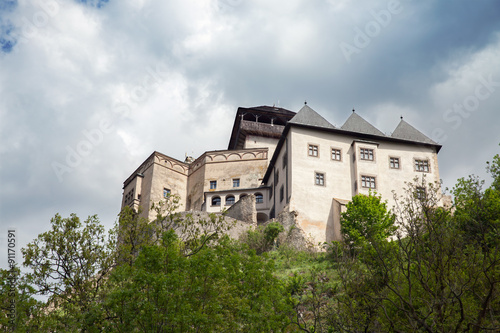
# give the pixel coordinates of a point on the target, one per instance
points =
(244, 210)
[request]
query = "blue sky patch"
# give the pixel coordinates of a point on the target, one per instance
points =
(7, 5)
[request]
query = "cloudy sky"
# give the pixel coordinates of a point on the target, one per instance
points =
(88, 89)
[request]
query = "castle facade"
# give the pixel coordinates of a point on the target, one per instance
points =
(290, 161)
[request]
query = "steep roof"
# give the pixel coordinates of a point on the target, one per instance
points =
(405, 131)
(309, 117)
(355, 123)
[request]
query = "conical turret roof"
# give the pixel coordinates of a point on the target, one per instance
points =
(407, 132)
(309, 117)
(355, 123)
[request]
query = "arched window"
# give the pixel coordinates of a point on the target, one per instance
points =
(259, 198)
(230, 200)
(243, 195)
(216, 201)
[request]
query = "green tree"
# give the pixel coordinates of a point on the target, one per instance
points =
(20, 312)
(70, 264)
(434, 277)
(222, 288)
(366, 220)
(194, 233)
(133, 232)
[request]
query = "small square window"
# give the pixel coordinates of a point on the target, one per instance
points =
(368, 182)
(166, 192)
(366, 154)
(394, 162)
(336, 155)
(319, 179)
(236, 182)
(313, 150)
(213, 184)
(420, 193)
(422, 165)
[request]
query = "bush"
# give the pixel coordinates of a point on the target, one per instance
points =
(262, 239)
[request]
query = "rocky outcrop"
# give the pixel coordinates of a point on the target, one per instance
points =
(293, 235)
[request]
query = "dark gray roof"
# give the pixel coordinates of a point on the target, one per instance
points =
(407, 132)
(357, 124)
(307, 116)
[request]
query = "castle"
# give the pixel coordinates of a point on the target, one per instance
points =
(290, 162)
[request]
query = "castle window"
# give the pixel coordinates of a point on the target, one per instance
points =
(313, 150)
(394, 162)
(129, 197)
(368, 182)
(230, 200)
(422, 165)
(243, 195)
(166, 192)
(216, 201)
(420, 193)
(271, 191)
(282, 193)
(366, 154)
(319, 179)
(213, 184)
(236, 182)
(285, 160)
(277, 177)
(259, 198)
(336, 155)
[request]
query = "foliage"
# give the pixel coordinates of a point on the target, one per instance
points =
(16, 299)
(223, 288)
(366, 220)
(433, 278)
(494, 169)
(194, 234)
(133, 232)
(262, 238)
(69, 264)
